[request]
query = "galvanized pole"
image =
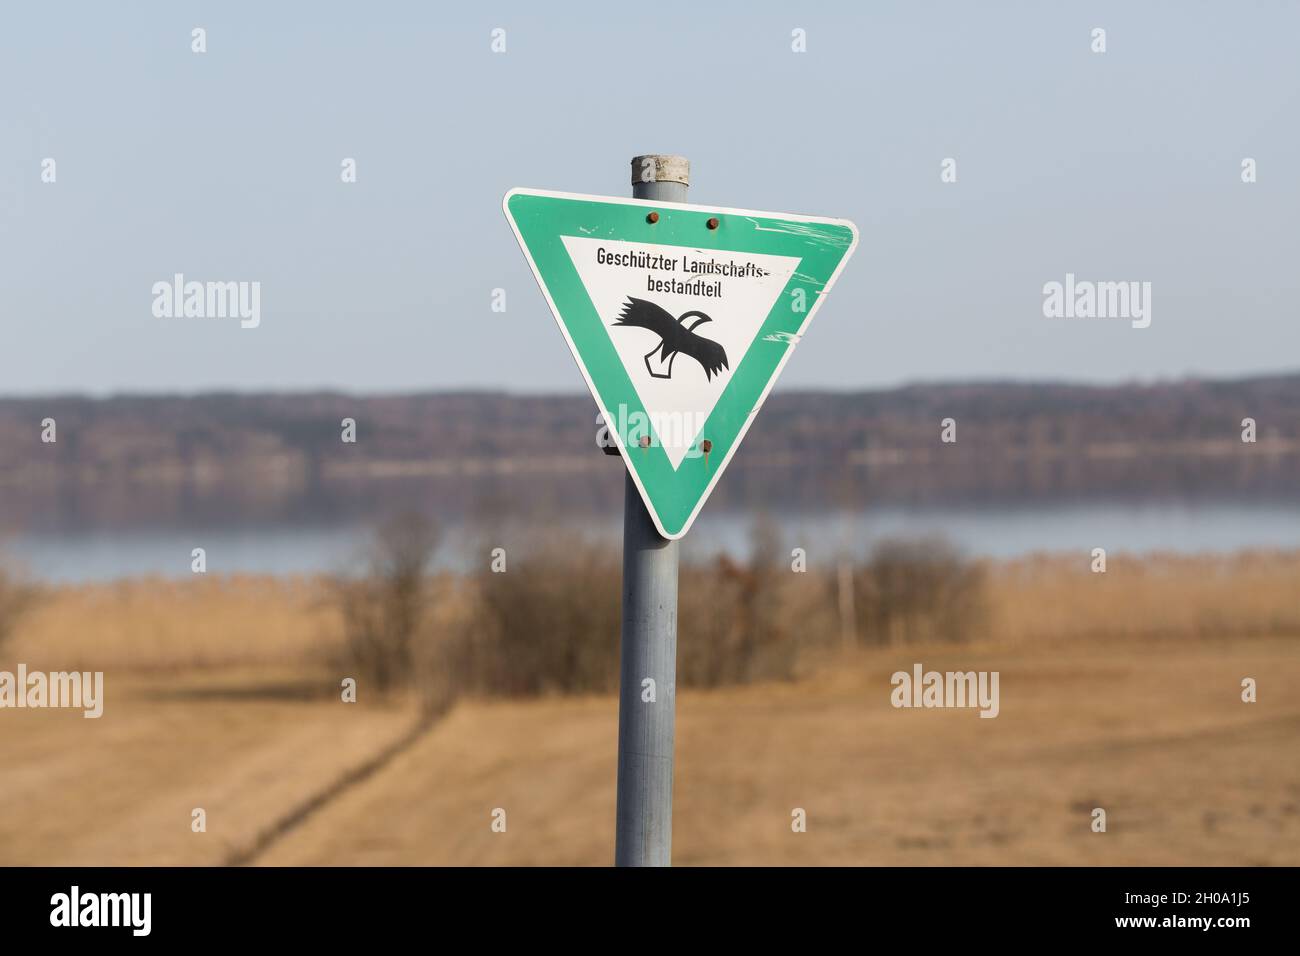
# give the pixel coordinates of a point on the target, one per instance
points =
(644, 827)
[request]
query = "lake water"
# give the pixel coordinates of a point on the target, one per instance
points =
(1003, 532)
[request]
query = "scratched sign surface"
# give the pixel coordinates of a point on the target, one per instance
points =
(680, 318)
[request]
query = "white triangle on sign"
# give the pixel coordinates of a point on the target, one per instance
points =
(679, 392)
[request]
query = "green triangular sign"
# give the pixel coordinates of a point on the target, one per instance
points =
(681, 317)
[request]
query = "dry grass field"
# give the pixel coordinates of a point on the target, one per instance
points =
(1155, 735)
(120, 790)
(158, 625)
(1119, 691)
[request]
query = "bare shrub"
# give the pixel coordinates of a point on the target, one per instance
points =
(443, 655)
(730, 625)
(920, 590)
(550, 622)
(385, 610)
(16, 597)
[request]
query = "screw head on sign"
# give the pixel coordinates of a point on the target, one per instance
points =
(707, 446)
(712, 223)
(652, 218)
(645, 441)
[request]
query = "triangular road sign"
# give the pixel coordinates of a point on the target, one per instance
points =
(681, 317)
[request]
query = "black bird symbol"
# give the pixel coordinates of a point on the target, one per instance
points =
(675, 337)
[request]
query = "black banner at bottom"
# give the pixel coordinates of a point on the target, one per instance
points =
(213, 906)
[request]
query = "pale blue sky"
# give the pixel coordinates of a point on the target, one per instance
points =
(225, 165)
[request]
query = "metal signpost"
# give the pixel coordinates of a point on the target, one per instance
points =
(680, 318)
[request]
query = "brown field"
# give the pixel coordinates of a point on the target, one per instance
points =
(1119, 691)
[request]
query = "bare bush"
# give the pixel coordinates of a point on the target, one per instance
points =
(920, 590)
(16, 597)
(550, 623)
(385, 611)
(730, 621)
(443, 655)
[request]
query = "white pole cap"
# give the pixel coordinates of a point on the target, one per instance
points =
(656, 168)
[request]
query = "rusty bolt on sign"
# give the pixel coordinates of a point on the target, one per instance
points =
(712, 223)
(652, 218)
